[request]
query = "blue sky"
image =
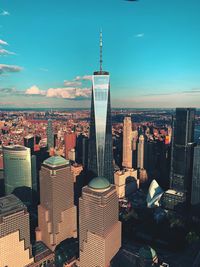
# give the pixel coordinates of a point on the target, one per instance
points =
(49, 49)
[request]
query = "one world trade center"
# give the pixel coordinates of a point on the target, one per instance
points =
(100, 160)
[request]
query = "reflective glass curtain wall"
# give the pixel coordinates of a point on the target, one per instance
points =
(100, 143)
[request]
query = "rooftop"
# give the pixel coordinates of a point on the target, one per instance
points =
(99, 183)
(10, 204)
(56, 161)
(15, 148)
(147, 253)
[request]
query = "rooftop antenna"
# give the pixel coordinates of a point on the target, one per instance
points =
(101, 46)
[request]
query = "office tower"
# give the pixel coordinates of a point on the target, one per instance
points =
(56, 212)
(70, 143)
(127, 143)
(140, 158)
(72, 155)
(15, 247)
(29, 142)
(126, 182)
(99, 228)
(17, 172)
(82, 150)
(100, 160)
(182, 151)
(50, 135)
(196, 177)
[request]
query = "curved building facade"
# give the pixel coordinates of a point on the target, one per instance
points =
(17, 168)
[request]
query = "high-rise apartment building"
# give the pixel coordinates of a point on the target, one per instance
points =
(56, 212)
(127, 143)
(140, 157)
(15, 247)
(100, 160)
(29, 142)
(182, 151)
(17, 171)
(99, 228)
(50, 135)
(196, 176)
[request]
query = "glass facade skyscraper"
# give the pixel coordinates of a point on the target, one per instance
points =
(100, 143)
(196, 177)
(182, 151)
(17, 171)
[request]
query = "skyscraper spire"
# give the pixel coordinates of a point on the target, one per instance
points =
(101, 46)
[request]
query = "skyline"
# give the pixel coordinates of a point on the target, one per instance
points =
(48, 52)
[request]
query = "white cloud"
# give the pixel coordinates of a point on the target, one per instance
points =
(4, 13)
(84, 78)
(2, 42)
(9, 68)
(68, 93)
(34, 90)
(72, 83)
(65, 92)
(139, 35)
(43, 69)
(4, 52)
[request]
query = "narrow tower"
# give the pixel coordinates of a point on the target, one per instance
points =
(100, 160)
(127, 143)
(140, 161)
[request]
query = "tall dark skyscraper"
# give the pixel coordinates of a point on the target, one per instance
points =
(182, 151)
(196, 177)
(100, 160)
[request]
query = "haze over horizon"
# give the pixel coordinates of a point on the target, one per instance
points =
(49, 50)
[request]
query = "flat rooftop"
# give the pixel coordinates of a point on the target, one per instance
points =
(15, 148)
(10, 204)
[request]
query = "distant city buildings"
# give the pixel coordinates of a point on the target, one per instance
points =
(127, 143)
(99, 228)
(15, 246)
(56, 212)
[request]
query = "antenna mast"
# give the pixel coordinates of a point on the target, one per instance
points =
(101, 46)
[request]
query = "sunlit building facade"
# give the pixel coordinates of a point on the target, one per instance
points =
(56, 212)
(15, 246)
(127, 143)
(17, 171)
(99, 228)
(100, 143)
